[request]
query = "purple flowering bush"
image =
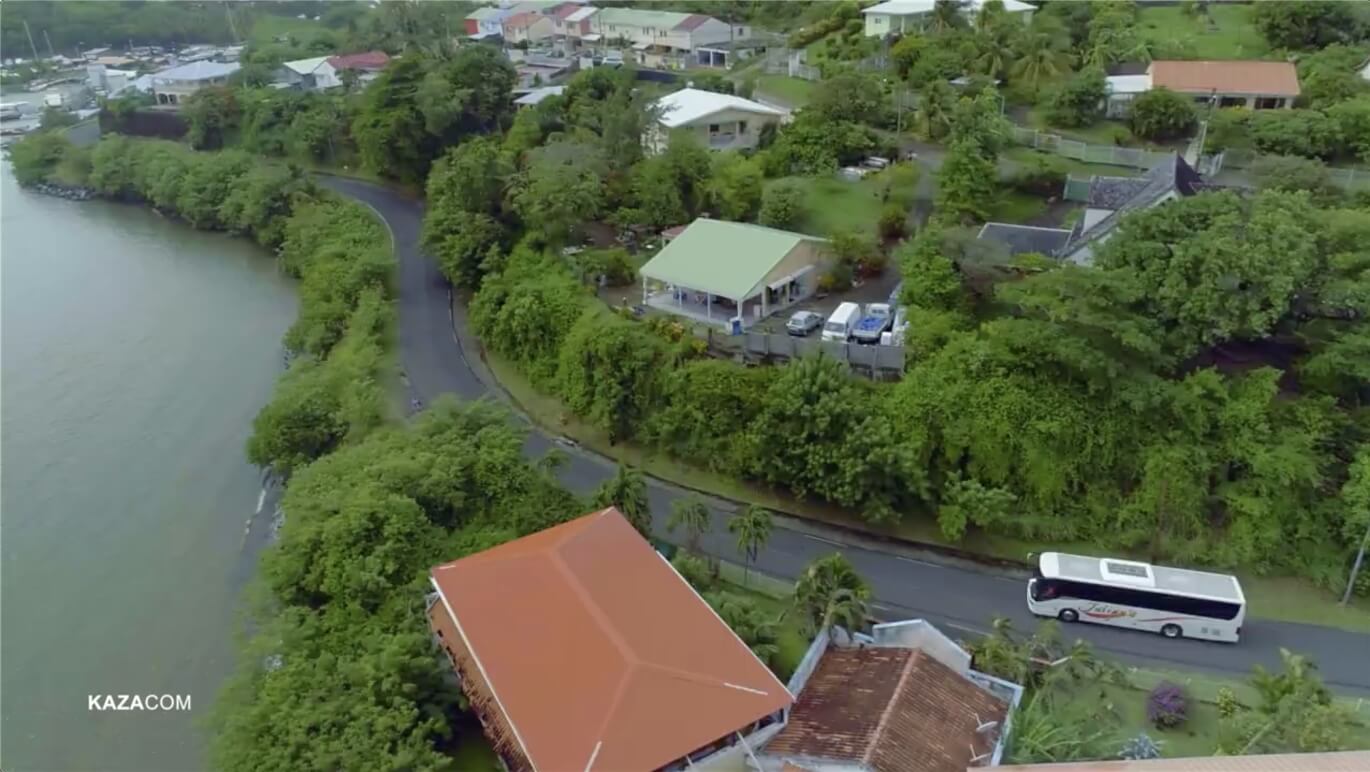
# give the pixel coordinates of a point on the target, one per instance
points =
(1167, 706)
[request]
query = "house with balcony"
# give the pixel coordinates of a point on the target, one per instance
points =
(663, 38)
(898, 17)
(732, 274)
(176, 84)
(719, 121)
(581, 648)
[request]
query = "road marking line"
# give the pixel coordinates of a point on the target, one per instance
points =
(919, 562)
(967, 629)
(825, 541)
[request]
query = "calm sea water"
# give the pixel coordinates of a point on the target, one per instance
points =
(134, 352)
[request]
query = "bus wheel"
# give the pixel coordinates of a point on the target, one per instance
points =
(1171, 631)
(1068, 615)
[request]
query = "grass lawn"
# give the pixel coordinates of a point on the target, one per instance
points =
(1104, 132)
(1020, 154)
(794, 92)
(1199, 735)
(1016, 207)
(833, 203)
(1231, 35)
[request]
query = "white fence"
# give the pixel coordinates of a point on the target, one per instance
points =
(1083, 151)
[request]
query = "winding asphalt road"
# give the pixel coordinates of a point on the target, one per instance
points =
(906, 584)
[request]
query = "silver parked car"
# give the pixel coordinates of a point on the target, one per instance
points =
(803, 323)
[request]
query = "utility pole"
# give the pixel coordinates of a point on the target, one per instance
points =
(1355, 569)
(233, 28)
(32, 47)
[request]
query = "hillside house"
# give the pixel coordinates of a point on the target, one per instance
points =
(313, 74)
(719, 121)
(662, 38)
(527, 27)
(367, 65)
(1255, 85)
(897, 17)
(176, 84)
(580, 648)
(732, 274)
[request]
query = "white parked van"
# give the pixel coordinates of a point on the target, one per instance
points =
(843, 320)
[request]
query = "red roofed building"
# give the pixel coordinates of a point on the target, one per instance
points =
(369, 61)
(580, 648)
(1258, 85)
(529, 26)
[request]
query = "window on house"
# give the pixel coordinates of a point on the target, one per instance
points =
(741, 127)
(1232, 102)
(713, 128)
(1269, 103)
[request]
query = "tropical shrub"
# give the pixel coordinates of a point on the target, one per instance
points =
(1167, 706)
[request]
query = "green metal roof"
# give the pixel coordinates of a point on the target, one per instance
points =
(639, 17)
(722, 258)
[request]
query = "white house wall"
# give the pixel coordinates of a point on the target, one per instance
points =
(726, 119)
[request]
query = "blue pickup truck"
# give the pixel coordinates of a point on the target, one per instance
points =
(876, 320)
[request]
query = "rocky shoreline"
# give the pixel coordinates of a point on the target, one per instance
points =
(69, 192)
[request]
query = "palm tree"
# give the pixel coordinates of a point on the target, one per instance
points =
(742, 615)
(830, 592)
(946, 15)
(627, 491)
(935, 106)
(691, 514)
(1039, 58)
(752, 529)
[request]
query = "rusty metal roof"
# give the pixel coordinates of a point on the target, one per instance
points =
(1350, 761)
(598, 653)
(891, 709)
(1227, 77)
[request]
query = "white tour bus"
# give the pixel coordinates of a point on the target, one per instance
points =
(1171, 601)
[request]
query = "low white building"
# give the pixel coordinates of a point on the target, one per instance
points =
(720, 121)
(897, 17)
(313, 74)
(175, 84)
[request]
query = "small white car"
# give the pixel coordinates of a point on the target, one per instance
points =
(802, 323)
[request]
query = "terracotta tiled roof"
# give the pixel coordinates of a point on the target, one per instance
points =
(370, 60)
(1227, 77)
(1352, 761)
(600, 656)
(891, 709)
